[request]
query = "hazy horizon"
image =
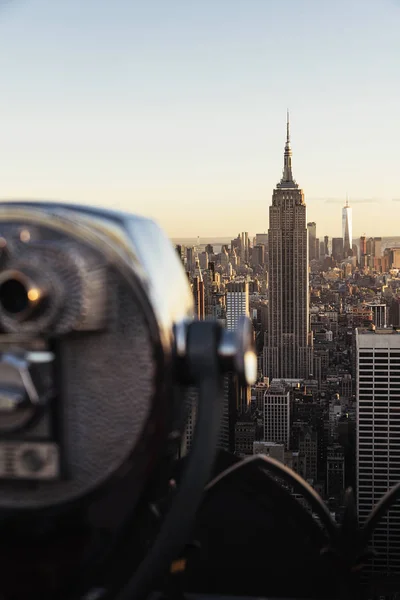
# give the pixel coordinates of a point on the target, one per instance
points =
(176, 110)
(216, 240)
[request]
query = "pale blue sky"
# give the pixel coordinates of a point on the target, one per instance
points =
(176, 108)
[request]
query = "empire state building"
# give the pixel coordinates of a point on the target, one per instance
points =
(288, 349)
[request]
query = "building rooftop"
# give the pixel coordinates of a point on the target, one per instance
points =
(376, 330)
(268, 444)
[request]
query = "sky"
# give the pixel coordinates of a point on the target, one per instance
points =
(176, 109)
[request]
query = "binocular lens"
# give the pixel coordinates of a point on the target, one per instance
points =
(14, 296)
(20, 296)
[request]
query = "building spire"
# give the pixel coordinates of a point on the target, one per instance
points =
(287, 177)
(287, 128)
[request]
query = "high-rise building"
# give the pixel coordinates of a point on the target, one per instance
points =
(326, 245)
(288, 351)
(378, 253)
(363, 245)
(190, 259)
(261, 239)
(317, 248)
(244, 254)
(391, 259)
(258, 256)
(312, 237)
(363, 251)
(308, 449)
(203, 260)
(374, 253)
(378, 438)
(277, 414)
(347, 229)
(198, 291)
(235, 396)
(337, 249)
(237, 303)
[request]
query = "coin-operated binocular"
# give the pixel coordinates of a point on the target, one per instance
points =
(97, 347)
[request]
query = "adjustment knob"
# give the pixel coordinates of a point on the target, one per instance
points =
(236, 351)
(32, 460)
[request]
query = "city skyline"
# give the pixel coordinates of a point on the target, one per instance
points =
(178, 111)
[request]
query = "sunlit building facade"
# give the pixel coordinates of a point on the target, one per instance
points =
(288, 348)
(378, 439)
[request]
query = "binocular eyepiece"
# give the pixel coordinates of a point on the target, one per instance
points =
(21, 294)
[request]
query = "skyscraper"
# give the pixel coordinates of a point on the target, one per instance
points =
(378, 442)
(237, 303)
(326, 245)
(277, 414)
(288, 351)
(337, 249)
(363, 251)
(347, 229)
(312, 236)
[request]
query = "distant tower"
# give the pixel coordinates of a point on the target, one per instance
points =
(337, 249)
(326, 245)
(363, 251)
(347, 229)
(198, 292)
(312, 236)
(288, 351)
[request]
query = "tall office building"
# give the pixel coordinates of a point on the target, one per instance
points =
(326, 245)
(391, 259)
(317, 248)
(363, 251)
(258, 256)
(337, 249)
(237, 303)
(347, 229)
(288, 350)
(235, 396)
(378, 438)
(190, 259)
(312, 237)
(277, 414)
(244, 249)
(374, 253)
(262, 240)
